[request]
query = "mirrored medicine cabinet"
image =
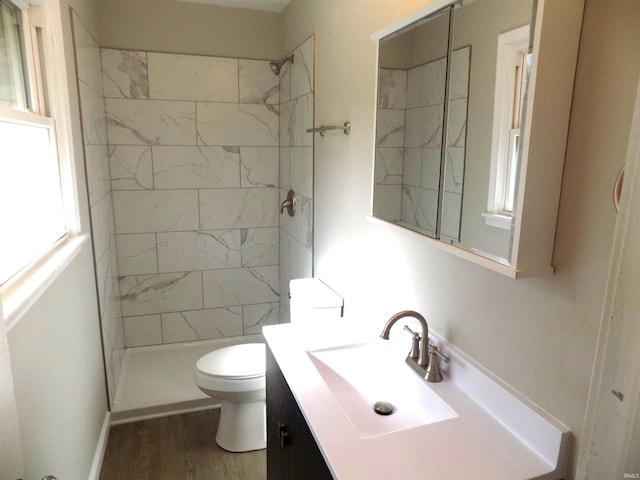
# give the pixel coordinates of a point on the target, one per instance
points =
(472, 113)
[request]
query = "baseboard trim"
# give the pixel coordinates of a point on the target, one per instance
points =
(101, 447)
(177, 408)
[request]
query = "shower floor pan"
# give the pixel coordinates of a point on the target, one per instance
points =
(158, 380)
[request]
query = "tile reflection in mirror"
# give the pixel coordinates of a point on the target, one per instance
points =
(410, 125)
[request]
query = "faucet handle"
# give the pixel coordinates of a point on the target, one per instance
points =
(433, 373)
(433, 349)
(415, 343)
(415, 334)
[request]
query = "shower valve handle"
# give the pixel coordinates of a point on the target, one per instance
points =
(289, 204)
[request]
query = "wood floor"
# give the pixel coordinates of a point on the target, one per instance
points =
(180, 447)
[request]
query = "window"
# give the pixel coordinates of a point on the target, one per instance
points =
(12, 81)
(513, 65)
(32, 215)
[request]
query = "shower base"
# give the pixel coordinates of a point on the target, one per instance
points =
(158, 380)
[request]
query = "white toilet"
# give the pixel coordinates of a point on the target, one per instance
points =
(236, 374)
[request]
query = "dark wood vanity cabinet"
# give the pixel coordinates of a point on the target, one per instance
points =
(292, 453)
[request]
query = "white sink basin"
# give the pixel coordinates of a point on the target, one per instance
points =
(362, 374)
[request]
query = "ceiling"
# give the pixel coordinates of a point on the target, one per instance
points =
(266, 5)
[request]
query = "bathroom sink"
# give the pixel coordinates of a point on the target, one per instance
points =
(362, 374)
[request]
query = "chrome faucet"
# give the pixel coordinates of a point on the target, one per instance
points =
(423, 352)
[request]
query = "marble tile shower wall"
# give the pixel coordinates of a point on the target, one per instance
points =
(193, 151)
(423, 142)
(296, 168)
(389, 155)
(409, 140)
(100, 199)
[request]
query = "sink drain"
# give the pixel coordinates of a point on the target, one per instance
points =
(383, 408)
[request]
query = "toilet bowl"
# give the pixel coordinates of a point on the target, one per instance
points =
(236, 376)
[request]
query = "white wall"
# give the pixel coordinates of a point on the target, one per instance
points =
(55, 348)
(612, 433)
(536, 334)
(59, 376)
(189, 27)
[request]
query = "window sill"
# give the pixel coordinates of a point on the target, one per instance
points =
(20, 294)
(498, 221)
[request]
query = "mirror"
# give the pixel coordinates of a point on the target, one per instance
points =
(410, 124)
(451, 99)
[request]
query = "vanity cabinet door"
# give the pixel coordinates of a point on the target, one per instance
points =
(292, 453)
(276, 386)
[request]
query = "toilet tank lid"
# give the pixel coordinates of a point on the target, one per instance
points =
(314, 293)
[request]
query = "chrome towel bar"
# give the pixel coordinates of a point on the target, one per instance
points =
(346, 128)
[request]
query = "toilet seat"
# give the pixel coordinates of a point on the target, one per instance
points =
(237, 370)
(236, 362)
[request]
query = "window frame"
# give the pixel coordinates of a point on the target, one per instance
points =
(51, 93)
(508, 96)
(32, 19)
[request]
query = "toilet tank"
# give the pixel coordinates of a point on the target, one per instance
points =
(312, 299)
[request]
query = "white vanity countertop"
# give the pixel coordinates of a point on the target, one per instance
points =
(472, 445)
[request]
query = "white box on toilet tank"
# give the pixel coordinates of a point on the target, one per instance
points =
(313, 299)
